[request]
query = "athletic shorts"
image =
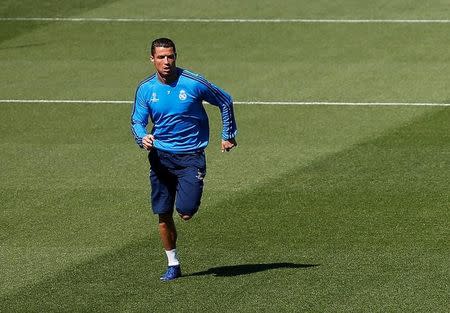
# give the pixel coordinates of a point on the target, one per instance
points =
(176, 180)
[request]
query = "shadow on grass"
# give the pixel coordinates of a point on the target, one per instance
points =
(244, 269)
(24, 46)
(103, 283)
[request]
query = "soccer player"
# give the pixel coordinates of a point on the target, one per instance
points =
(172, 98)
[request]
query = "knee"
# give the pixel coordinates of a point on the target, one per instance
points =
(185, 217)
(165, 219)
(186, 214)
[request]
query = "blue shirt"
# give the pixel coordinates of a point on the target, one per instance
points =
(180, 122)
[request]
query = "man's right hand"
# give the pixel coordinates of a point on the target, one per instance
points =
(147, 142)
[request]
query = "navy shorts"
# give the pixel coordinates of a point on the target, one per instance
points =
(176, 180)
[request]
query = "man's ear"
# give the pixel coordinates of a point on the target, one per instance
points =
(152, 59)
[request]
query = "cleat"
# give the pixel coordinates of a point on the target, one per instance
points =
(172, 272)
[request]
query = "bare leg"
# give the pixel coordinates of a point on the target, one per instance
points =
(168, 234)
(167, 231)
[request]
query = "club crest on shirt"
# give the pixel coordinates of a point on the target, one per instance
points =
(182, 95)
(154, 97)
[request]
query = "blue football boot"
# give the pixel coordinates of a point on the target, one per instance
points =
(172, 273)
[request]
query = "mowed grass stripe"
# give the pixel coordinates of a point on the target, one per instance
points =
(374, 216)
(9, 9)
(377, 63)
(372, 220)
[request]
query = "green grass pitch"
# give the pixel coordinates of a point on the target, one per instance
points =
(319, 209)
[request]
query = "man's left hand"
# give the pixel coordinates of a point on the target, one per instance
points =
(229, 144)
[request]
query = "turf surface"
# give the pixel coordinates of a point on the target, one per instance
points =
(319, 209)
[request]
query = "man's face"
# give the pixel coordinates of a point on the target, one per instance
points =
(164, 61)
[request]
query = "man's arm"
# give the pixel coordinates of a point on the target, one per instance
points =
(223, 100)
(139, 121)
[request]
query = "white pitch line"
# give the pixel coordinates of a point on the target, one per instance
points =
(64, 101)
(224, 20)
(299, 103)
(344, 103)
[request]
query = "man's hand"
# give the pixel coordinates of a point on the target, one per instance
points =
(229, 144)
(147, 142)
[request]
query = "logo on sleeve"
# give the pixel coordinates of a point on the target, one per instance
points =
(182, 95)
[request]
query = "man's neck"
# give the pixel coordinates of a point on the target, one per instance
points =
(167, 80)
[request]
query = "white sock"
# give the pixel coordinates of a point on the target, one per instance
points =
(172, 257)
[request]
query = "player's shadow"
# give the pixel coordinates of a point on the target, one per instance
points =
(244, 269)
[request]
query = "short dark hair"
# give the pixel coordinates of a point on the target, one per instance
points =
(162, 42)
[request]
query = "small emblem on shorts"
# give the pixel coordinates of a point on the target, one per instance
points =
(200, 175)
(154, 97)
(182, 95)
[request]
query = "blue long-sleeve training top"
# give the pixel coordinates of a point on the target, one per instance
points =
(180, 122)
